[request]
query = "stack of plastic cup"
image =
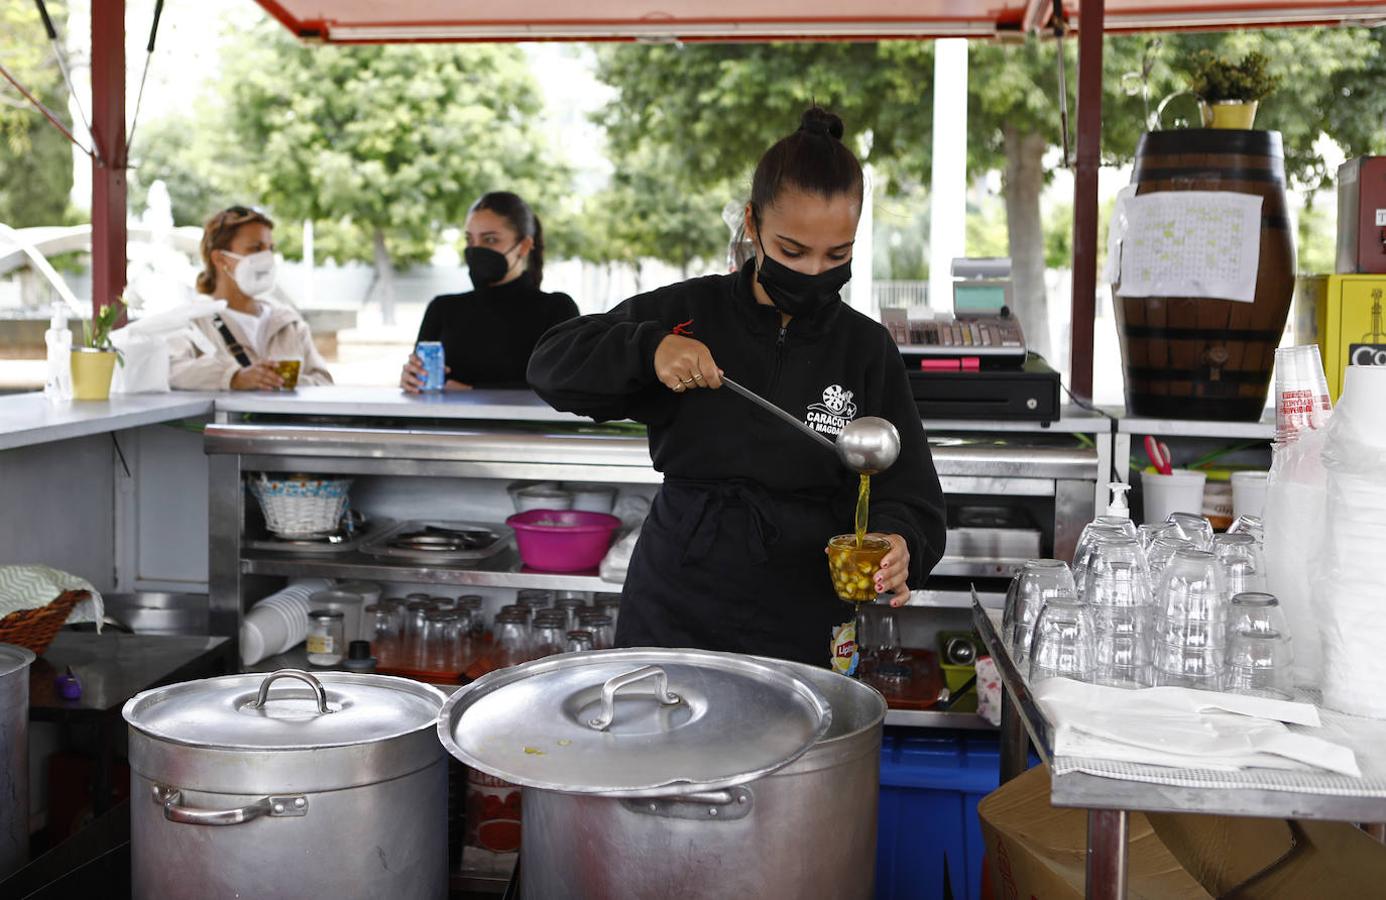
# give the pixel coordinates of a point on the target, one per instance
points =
(1301, 392)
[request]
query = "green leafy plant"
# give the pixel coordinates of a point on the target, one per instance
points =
(98, 330)
(1216, 79)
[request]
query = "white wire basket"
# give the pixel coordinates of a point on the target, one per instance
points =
(301, 507)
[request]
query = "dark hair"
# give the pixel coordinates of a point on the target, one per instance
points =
(526, 224)
(218, 234)
(812, 159)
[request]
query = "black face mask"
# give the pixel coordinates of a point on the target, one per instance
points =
(796, 293)
(486, 266)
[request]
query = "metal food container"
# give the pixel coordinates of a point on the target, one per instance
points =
(652, 773)
(288, 785)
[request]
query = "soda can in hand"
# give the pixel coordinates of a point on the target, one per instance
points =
(430, 354)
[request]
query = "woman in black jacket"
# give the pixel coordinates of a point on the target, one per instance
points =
(489, 332)
(732, 554)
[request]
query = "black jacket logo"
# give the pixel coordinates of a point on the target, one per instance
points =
(834, 412)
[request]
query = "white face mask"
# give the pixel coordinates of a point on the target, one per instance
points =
(254, 274)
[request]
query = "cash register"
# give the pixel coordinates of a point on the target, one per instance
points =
(973, 363)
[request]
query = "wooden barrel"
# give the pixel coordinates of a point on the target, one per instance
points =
(1196, 358)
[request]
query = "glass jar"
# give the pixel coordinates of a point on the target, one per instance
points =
(326, 637)
(579, 641)
(570, 607)
(475, 604)
(434, 651)
(512, 639)
(534, 598)
(549, 637)
(603, 631)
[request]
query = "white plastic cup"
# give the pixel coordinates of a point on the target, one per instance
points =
(1248, 493)
(1179, 491)
(1301, 392)
(1363, 401)
(264, 632)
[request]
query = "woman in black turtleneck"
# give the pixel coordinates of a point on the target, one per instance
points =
(489, 332)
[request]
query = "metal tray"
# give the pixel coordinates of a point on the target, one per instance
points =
(379, 544)
(318, 547)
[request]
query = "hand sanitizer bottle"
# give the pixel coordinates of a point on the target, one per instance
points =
(57, 387)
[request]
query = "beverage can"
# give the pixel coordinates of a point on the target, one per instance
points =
(430, 354)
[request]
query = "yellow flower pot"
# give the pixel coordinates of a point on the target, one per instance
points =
(1229, 114)
(91, 373)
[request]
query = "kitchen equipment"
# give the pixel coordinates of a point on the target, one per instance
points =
(592, 497)
(14, 752)
(443, 543)
(563, 540)
(288, 785)
(326, 641)
(712, 772)
(541, 496)
(867, 445)
(966, 389)
(352, 607)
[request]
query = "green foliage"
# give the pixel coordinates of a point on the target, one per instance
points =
(98, 329)
(396, 140)
(1315, 241)
(1217, 79)
(35, 158)
(189, 152)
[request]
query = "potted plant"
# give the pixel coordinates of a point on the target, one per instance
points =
(94, 362)
(1229, 92)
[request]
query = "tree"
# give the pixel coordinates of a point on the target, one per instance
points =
(388, 144)
(719, 106)
(35, 158)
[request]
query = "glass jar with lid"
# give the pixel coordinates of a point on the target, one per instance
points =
(326, 642)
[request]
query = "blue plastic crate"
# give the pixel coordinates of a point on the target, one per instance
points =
(931, 783)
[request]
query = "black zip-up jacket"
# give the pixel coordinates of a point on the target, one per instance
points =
(825, 369)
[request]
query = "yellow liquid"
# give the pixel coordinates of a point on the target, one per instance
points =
(863, 504)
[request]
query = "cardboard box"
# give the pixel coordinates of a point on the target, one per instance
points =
(1036, 851)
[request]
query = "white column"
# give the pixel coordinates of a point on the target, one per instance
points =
(948, 181)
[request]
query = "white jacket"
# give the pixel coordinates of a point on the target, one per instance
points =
(200, 361)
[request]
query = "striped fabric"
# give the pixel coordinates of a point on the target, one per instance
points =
(30, 587)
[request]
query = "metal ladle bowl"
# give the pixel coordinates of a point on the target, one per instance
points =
(868, 445)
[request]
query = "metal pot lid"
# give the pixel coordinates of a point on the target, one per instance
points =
(287, 710)
(634, 723)
(14, 658)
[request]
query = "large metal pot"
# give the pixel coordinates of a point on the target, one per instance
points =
(675, 798)
(288, 785)
(14, 757)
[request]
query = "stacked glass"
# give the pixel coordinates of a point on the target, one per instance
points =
(1191, 625)
(1119, 595)
(1037, 582)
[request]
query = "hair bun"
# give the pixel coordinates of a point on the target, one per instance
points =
(817, 120)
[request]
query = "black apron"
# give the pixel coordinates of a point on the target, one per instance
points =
(726, 565)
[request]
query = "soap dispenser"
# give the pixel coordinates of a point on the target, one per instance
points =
(57, 385)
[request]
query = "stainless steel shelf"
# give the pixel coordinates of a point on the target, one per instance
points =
(1264, 429)
(931, 718)
(502, 571)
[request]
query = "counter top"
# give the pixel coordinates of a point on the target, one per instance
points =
(391, 402)
(27, 419)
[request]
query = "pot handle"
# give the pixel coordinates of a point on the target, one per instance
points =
(171, 799)
(307, 677)
(616, 682)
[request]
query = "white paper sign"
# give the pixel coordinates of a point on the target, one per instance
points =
(1191, 244)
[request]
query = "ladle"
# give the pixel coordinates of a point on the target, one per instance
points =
(868, 445)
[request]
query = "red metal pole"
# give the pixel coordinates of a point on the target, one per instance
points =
(108, 208)
(1084, 301)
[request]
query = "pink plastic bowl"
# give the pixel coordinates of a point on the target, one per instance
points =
(563, 540)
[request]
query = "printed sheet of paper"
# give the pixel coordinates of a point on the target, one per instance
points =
(1191, 244)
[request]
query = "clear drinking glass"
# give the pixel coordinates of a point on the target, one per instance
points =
(1064, 643)
(1162, 550)
(609, 604)
(1093, 533)
(1117, 575)
(1251, 525)
(381, 625)
(511, 640)
(1258, 663)
(1194, 527)
(578, 641)
(885, 640)
(549, 637)
(603, 631)
(1148, 534)
(1125, 649)
(534, 598)
(1037, 581)
(570, 607)
(1190, 667)
(475, 604)
(434, 651)
(1240, 559)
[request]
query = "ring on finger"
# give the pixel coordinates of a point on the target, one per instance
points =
(697, 376)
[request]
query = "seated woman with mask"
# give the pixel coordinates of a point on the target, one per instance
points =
(489, 332)
(239, 349)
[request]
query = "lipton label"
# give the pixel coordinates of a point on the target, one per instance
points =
(844, 648)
